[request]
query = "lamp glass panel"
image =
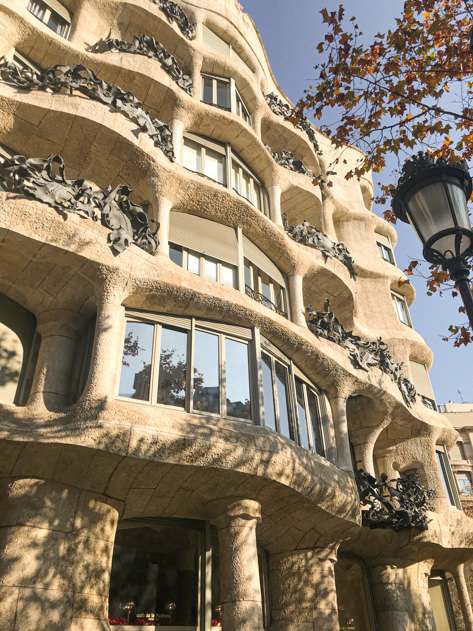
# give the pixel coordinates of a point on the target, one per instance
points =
(429, 211)
(459, 205)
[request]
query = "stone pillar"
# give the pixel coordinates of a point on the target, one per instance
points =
(340, 426)
(296, 297)
(463, 596)
(239, 573)
(274, 193)
(59, 330)
(108, 342)
(56, 546)
(177, 128)
(304, 596)
(164, 210)
(364, 453)
(401, 596)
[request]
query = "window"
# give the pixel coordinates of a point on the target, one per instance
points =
(159, 358)
(206, 158)
(215, 160)
(464, 482)
(21, 61)
(166, 574)
(261, 287)
(204, 266)
(212, 368)
(385, 253)
(420, 379)
(216, 91)
(219, 45)
(53, 14)
(221, 92)
(355, 607)
(457, 452)
(447, 476)
(400, 307)
(440, 602)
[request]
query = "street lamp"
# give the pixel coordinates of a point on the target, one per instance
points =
(432, 196)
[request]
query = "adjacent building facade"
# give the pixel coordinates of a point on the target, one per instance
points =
(199, 341)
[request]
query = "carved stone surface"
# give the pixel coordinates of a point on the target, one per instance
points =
(287, 112)
(364, 355)
(40, 179)
(286, 159)
(309, 235)
(174, 13)
(86, 82)
(398, 504)
(148, 47)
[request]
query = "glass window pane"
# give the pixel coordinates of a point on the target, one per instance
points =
(207, 90)
(175, 254)
(440, 602)
(191, 156)
(303, 429)
(214, 165)
(172, 367)
(223, 94)
(237, 379)
(136, 361)
(193, 263)
(268, 396)
(235, 178)
(315, 421)
(228, 275)
(37, 8)
(355, 610)
(279, 296)
(155, 576)
(281, 387)
(266, 290)
(210, 269)
(257, 195)
(206, 374)
(441, 464)
(247, 273)
(246, 186)
(57, 23)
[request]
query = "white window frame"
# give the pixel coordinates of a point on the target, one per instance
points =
(447, 476)
(401, 308)
(236, 104)
(204, 144)
(249, 289)
(386, 253)
(48, 10)
(202, 259)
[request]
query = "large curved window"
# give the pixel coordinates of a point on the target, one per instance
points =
(210, 367)
(53, 14)
(218, 162)
(17, 327)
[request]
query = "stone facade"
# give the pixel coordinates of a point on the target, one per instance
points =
(237, 483)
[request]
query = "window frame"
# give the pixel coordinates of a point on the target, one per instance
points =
(256, 292)
(50, 11)
(449, 483)
(260, 200)
(190, 324)
(386, 253)
(202, 258)
(215, 79)
(468, 480)
(398, 300)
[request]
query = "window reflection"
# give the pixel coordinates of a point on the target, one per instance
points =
(155, 575)
(136, 361)
(172, 367)
(281, 388)
(303, 427)
(237, 379)
(206, 379)
(268, 392)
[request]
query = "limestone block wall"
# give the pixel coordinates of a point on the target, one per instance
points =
(75, 459)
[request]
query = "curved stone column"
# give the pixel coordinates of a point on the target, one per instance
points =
(56, 545)
(59, 330)
(338, 405)
(401, 596)
(239, 573)
(274, 193)
(463, 596)
(304, 596)
(296, 297)
(164, 214)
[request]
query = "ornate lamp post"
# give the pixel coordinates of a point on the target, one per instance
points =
(432, 196)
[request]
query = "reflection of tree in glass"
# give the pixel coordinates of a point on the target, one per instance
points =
(141, 381)
(172, 377)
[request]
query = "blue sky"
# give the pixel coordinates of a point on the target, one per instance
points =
(290, 32)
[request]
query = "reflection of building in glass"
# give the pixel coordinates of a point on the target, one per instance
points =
(177, 443)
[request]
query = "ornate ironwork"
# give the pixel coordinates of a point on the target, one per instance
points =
(40, 179)
(399, 504)
(311, 236)
(287, 160)
(174, 13)
(423, 161)
(363, 354)
(264, 300)
(148, 47)
(288, 113)
(86, 82)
